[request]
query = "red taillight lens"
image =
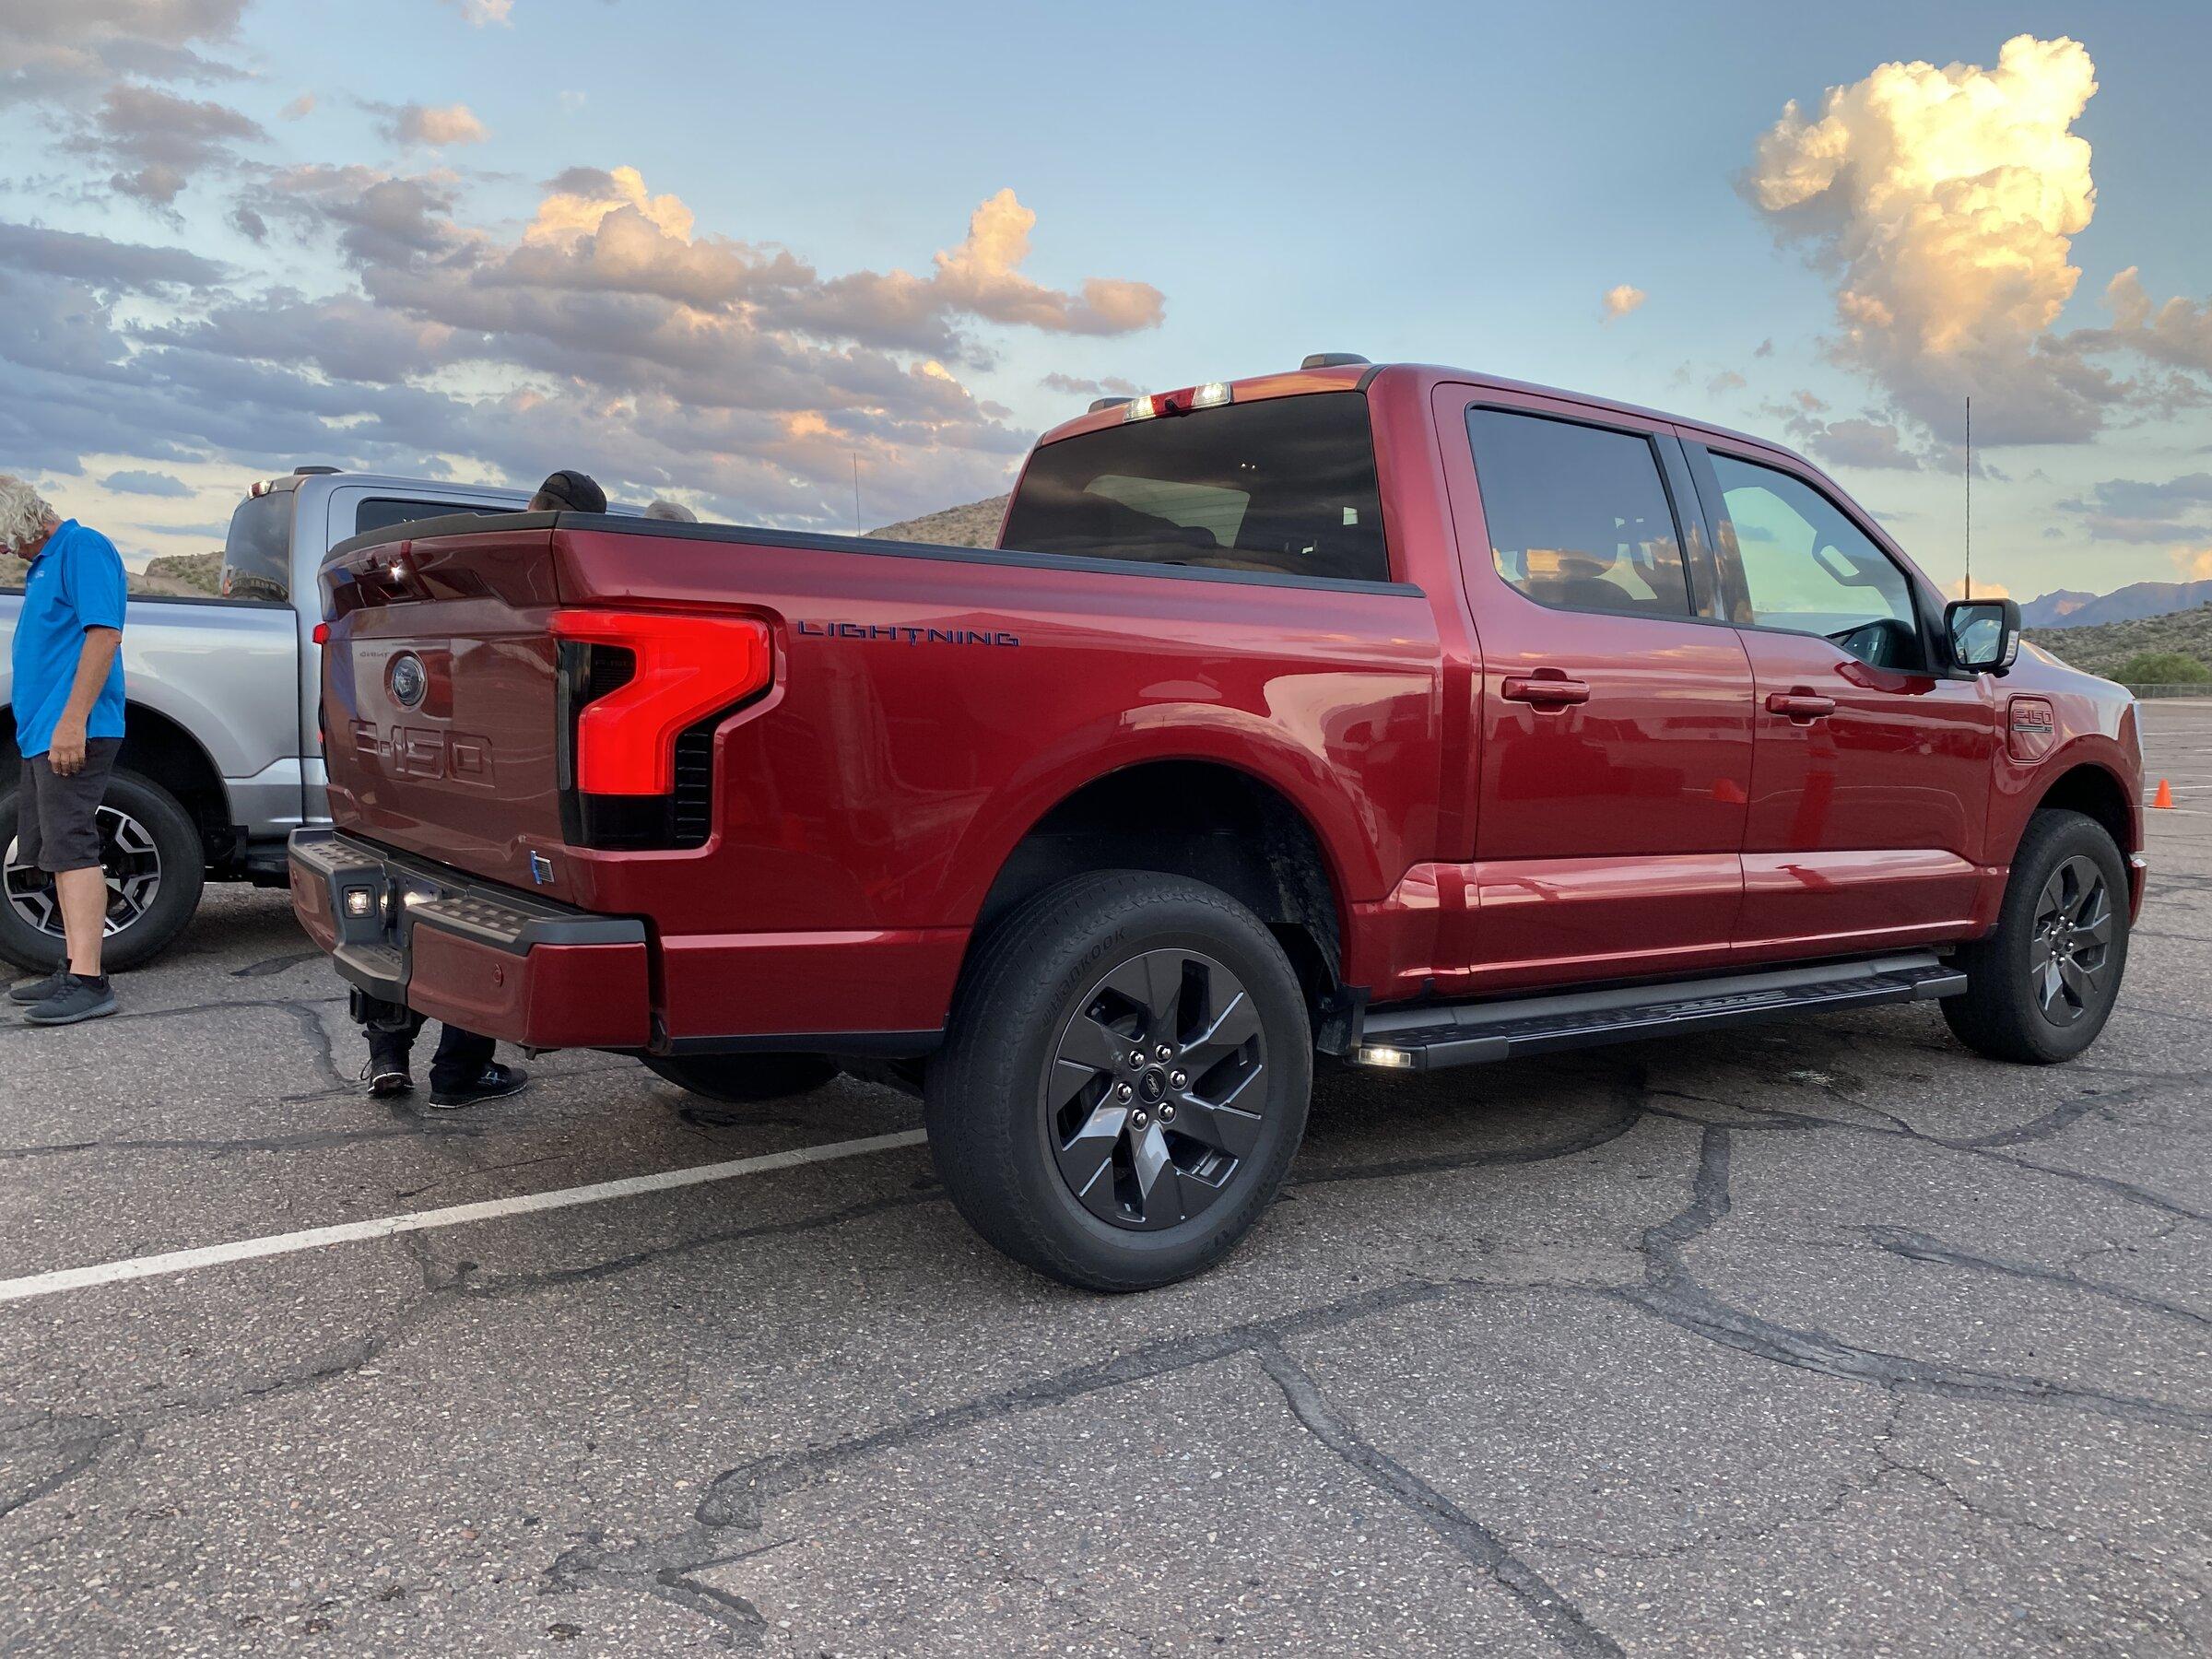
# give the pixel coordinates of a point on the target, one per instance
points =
(321, 634)
(687, 667)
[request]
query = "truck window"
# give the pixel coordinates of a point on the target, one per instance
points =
(1578, 517)
(380, 512)
(1806, 567)
(1285, 485)
(257, 553)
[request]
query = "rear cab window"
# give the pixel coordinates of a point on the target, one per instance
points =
(257, 553)
(380, 512)
(1578, 517)
(1282, 486)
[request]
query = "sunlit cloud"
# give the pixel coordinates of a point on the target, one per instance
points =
(1621, 299)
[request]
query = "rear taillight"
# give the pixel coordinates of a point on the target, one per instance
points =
(680, 669)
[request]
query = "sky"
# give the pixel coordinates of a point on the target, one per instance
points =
(735, 255)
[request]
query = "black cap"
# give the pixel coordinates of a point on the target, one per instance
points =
(568, 492)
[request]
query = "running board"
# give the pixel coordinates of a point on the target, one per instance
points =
(1469, 1033)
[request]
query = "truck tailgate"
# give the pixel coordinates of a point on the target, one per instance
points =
(441, 695)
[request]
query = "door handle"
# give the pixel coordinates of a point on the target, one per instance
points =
(1800, 706)
(1545, 690)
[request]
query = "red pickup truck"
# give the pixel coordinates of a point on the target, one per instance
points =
(1401, 714)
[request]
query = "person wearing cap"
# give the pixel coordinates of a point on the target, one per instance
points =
(674, 513)
(565, 491)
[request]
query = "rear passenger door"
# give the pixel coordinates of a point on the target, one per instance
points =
(1870, 778)
(1613, 723)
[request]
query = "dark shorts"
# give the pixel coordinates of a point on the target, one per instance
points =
(54, 819)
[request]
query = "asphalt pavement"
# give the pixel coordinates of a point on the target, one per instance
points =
(1815, 1339)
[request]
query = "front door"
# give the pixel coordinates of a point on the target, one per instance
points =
(1870, 778)
(1614, 724)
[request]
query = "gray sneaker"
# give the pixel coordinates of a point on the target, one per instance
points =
(73, 999)
(37, 990)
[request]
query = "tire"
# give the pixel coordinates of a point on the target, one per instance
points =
(144, 833)
(2041, 984)
(741, 1079)
(1069, 1003)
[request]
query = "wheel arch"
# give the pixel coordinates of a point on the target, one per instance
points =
(2096, 791)
(1224, 824)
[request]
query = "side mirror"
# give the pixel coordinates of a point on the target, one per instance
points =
(1984, 633)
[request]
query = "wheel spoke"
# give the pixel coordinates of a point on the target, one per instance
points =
(1229, 1026)
(1089, 1043)
(1154, 981)
(1224, 1128)
(1084, 1158)
(2076, 980)
(1156, 1184)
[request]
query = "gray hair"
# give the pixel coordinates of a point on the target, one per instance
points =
(24, 514)
(675, 511)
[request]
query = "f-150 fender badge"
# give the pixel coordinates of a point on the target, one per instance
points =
(541, 869)
(899, 634)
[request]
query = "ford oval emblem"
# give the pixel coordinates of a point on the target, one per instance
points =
(410, 680)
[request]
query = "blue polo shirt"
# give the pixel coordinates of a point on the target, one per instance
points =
(75, 583)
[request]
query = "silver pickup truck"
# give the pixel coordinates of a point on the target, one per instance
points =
(220, 759)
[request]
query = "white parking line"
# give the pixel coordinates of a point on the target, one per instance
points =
(459, 1215)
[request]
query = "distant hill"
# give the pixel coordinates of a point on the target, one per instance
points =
(2070, 607)
(974, 526)
(173, 576)
(2102, 648)
(186, 573)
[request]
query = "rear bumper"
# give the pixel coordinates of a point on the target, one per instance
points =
(485, 957)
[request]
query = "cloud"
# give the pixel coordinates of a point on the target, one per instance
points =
(1727, 379)
(982, 276)
(1075, 386)
(1854, 440)
(1984, 589)
(157, 141)
(1622, 299)
(2178, 333)
(481, 12)
(106, 266)
(436, 126)
(1942, 204)
(1765, 349)
(51, 48)
(2133, 510)
(298, 109)
(130, 482)
(611, 334)
(2193, 563)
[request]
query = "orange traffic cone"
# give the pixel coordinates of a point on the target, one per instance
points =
(2165, 795)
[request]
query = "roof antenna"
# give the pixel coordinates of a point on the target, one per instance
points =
(856, 454)
(1965, 589)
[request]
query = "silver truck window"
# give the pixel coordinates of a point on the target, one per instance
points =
(257, 554)
(380, 512)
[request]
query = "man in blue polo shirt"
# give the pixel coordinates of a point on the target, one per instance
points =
(68, 701)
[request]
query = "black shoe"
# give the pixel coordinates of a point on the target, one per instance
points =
(37, 990)
(495, 1082)
(76, 998)
(386, 1077)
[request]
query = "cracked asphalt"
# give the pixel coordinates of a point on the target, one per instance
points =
(1814, 1339)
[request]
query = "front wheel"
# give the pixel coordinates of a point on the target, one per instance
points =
(2042, 983)
(1125, 1080)
(155, 863)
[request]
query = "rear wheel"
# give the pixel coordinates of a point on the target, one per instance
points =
(1125, 1081)
(155, 865)
(739, 1080)
(2042, 985)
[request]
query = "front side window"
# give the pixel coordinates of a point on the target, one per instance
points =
(1804, 567)
(1284, 485)
(1578, 517)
